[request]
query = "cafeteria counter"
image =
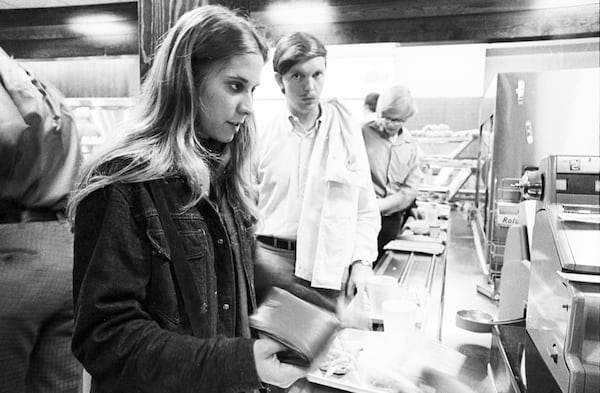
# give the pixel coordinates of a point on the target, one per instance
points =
(451, 280)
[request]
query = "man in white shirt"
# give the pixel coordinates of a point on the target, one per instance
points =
(319, 215)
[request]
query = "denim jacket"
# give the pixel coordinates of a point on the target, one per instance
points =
(131, 330)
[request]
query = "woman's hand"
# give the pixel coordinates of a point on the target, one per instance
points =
(270, 370)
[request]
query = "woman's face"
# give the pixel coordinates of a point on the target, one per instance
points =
(227, 96)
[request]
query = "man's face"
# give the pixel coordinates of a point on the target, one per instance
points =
(391, 125)
(303, 85)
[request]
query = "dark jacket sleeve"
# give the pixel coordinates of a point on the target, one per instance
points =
(115, 338)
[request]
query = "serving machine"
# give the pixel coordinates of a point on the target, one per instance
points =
(563, 304)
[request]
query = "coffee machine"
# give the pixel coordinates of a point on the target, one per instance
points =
(563, 302)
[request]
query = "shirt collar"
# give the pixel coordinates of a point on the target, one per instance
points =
(299, 128)
(400, 138)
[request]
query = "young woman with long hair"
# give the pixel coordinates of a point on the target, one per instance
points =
(134, 331)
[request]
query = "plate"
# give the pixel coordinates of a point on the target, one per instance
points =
(355, 341)
(346, 383)
(435, 367)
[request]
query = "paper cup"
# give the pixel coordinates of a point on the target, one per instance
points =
(399, 318)
(379, 289)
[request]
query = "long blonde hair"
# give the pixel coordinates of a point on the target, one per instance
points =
(163, 140)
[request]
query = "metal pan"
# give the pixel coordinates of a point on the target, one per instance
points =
(480, 322)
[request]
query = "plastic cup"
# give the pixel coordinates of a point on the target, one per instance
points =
(381, 288)
(399, 318)
(431, 216)
(434, 230)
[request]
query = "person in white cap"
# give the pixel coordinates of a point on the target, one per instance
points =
(394, 161)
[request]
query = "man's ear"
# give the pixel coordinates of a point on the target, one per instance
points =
(279, 80)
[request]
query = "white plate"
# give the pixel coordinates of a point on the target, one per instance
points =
(346, 383)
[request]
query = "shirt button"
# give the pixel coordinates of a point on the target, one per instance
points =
(225, 306)
(220, 241)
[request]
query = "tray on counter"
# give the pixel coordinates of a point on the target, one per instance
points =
(442, 363)
(350, 382)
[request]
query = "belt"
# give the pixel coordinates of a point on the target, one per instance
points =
(276, 242)
(28, 215)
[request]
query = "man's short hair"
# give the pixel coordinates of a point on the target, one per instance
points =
(296, 48)
(371, 101)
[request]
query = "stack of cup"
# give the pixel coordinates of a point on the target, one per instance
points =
(379, 289)
(399, 319)
(431, 216)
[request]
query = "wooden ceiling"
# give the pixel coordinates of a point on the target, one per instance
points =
(54, 32)
(137, 26)
(12, 4)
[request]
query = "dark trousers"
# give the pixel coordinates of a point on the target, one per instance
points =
(390, 229)
(275, 267)
(36, 309)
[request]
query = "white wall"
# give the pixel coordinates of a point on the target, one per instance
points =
(446, 79)
(541, 56)
(353, 71)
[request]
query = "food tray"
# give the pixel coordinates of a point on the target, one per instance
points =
(348, 382)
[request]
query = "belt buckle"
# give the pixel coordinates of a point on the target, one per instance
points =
(282, 244)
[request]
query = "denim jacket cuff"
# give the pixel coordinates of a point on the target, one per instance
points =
(241, 365)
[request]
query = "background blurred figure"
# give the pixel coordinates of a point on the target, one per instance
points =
(163, 296)
(370, 107)
(39, 150)
(315, 197)
(393, 159)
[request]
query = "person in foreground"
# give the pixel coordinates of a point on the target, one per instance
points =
(319, 214)
(133, 332)
(394, 161)
(40, 156)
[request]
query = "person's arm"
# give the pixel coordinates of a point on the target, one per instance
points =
(116, 339)
(407, 194)
(367, 228)
(398, 201)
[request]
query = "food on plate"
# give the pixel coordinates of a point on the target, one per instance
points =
(338, 361)
(393, 383)
(337, 364)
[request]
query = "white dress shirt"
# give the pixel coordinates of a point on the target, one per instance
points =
(314, 186)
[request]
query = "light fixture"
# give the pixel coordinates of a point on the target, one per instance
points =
(563, 3)
(101, 24)
(299, 12)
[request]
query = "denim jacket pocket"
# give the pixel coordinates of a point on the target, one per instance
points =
(164, 300)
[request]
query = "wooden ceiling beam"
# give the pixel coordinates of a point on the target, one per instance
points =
(359, 10)
(510, 23)
(45, 32)
(53, 32)
(109, 45)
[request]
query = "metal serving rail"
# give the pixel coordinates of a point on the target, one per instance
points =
(422, 270)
